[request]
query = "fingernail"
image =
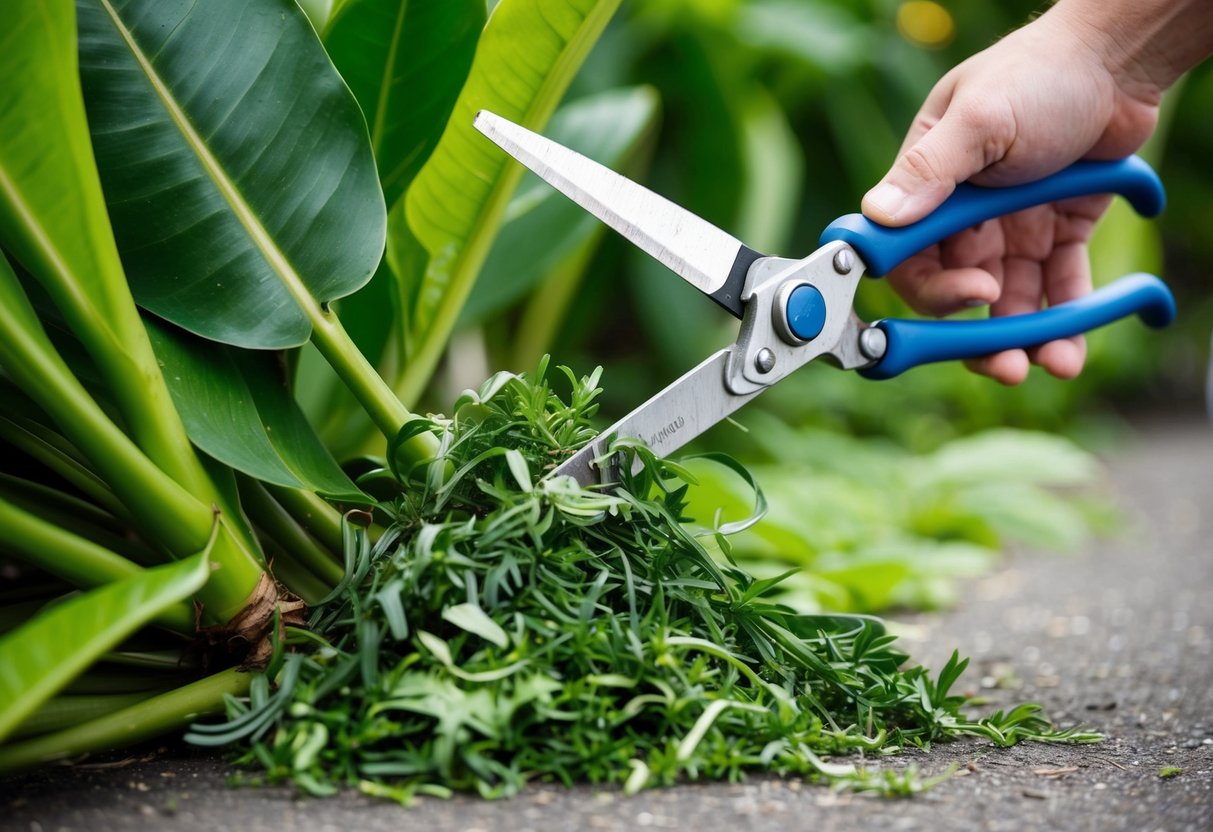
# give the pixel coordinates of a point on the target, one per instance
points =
(886, 198)
(973, 303)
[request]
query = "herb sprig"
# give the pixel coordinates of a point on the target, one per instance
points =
(504, 627)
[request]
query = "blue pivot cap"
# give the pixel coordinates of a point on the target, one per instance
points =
(806, 311)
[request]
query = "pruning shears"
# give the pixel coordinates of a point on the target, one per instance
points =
(794, 311)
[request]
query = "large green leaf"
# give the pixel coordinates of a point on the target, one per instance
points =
(405, 61)
(39, 658)
(53, 220)
(52, 213)
(238, 409)
(542, 227)
(235, 164)
(527, 55)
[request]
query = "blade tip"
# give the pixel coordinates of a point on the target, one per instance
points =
(486, 121)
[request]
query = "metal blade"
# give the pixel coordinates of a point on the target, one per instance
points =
(669, 420)
(712, 261)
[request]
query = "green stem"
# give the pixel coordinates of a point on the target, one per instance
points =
(168, 513)
(150, 718)
(56, 454)
(80, 562)
(311, 512)
(66, 711)
(372, 392)
(79, 517)
(280, 526)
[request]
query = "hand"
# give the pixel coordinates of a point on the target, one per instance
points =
(1038, 100)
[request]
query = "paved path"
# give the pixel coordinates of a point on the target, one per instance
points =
(1119, 639)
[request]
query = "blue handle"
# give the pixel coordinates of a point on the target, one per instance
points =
(883, 248)
(911, 343)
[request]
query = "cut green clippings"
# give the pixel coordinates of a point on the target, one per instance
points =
(506, 627)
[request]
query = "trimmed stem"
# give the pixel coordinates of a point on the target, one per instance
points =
(150, 718)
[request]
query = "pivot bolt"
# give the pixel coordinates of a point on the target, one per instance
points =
(764, 362)
(844, 261)
(873, 343)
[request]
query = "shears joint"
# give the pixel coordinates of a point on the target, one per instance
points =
(797, 311)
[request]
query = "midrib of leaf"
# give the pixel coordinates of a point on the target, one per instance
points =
(471, 256)
(43, 241)
(261, 238)
(386, 82)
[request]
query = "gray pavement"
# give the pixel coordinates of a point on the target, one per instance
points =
(1119, 638)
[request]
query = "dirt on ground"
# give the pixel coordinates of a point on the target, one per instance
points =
(1118, 638)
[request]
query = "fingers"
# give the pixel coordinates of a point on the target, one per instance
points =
(932, 291)
(1067, 276)
(966, 140)
(1064, 275)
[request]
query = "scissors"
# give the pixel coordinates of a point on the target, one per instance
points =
(795, 311)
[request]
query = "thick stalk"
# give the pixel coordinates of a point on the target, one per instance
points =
(77, 261)
(63, 712)
(78, 561)
(167, 513)
(150, 718)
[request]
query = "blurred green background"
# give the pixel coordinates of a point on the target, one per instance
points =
(770, 118)
(774, 117)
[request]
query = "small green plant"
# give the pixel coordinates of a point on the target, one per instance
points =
(1167, 772)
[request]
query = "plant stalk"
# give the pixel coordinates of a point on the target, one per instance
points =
(80, 562)
(372, 392)
(168, 513)
(152, 717)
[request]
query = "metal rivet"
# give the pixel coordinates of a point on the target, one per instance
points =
(844, 261)
(765, 360)
(873, 343)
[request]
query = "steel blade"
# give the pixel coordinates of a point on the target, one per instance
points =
(669, 420)
(712, 261)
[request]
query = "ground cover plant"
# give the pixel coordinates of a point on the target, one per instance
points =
(236, 242)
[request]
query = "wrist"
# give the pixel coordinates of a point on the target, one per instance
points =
(1145, 45)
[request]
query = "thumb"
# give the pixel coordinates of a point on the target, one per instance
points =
(928, 171)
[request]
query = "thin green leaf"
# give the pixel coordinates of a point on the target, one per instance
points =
(42, 656)
(472, 618)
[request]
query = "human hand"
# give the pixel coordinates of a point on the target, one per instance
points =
(1038, 100)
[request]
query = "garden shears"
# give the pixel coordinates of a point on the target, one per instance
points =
(794, 311)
